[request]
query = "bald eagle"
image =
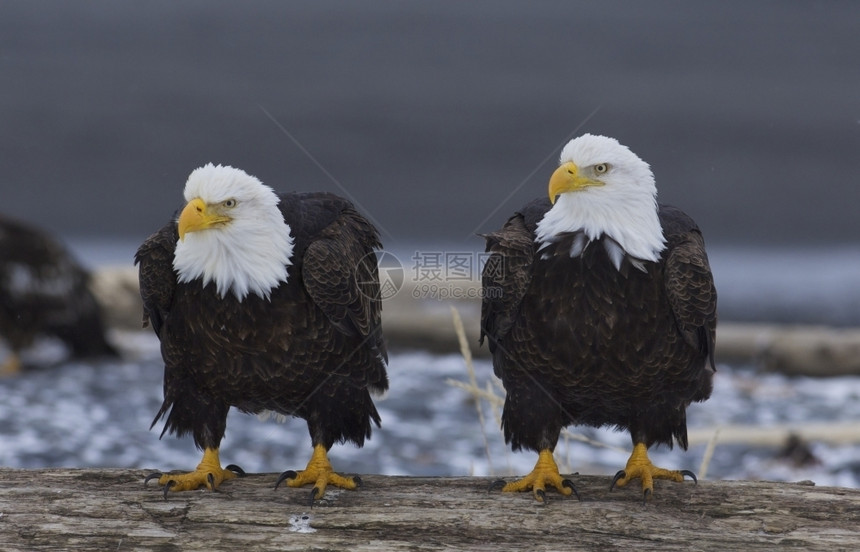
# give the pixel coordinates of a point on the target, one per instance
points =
(44, 291)
(268, 303)
(599, 310)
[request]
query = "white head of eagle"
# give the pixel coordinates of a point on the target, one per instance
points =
(231, 232)
(604, 189)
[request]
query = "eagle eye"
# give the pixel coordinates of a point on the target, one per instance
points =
(601, 168)
(229, 203)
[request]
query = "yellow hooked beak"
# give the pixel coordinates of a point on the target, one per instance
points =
(566, 178)
(198, 216)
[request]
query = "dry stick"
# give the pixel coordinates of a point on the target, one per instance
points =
(470, 369)
(709, 453)
(493, 399)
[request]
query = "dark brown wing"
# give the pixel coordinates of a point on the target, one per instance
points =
(507, 274)
(340, 274)
(689, 282)
(156, 274)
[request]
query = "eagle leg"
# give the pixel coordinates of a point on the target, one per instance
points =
(208, 473)
(544, 473)
(320, 473)
(640, 466)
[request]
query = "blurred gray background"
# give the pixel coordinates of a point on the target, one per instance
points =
(439, 118)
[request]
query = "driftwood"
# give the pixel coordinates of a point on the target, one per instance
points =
(845, 432)
(792, 350)
(111, 510)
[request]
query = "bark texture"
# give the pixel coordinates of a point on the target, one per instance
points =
(110, 509)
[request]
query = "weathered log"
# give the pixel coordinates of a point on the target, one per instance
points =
(64, 509)
(118, 292)
(777, 435)
(419, 317)
(792, 350)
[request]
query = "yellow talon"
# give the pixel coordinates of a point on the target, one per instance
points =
(639, 466)
(319, 472)
(544, 473)
(209, 467)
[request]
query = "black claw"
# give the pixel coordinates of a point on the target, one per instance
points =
(691, 475)
(314, 492)
(289, 474)
(357, 480)
(645, 495)
(236, 469)
(619, 475)
(540, 494)
(211, 479)
(569, 484)
(498, 483)
(150, 477)
(169, 485)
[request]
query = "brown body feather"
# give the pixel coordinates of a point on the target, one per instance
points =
(576, 340)
(314, 350)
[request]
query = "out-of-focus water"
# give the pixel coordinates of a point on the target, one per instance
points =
(800, 285)
(81, 414)
(98, 415)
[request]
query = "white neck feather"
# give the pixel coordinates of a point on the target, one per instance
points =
(633, 224)
(251, 253)
(622, 207)
(248, 261)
